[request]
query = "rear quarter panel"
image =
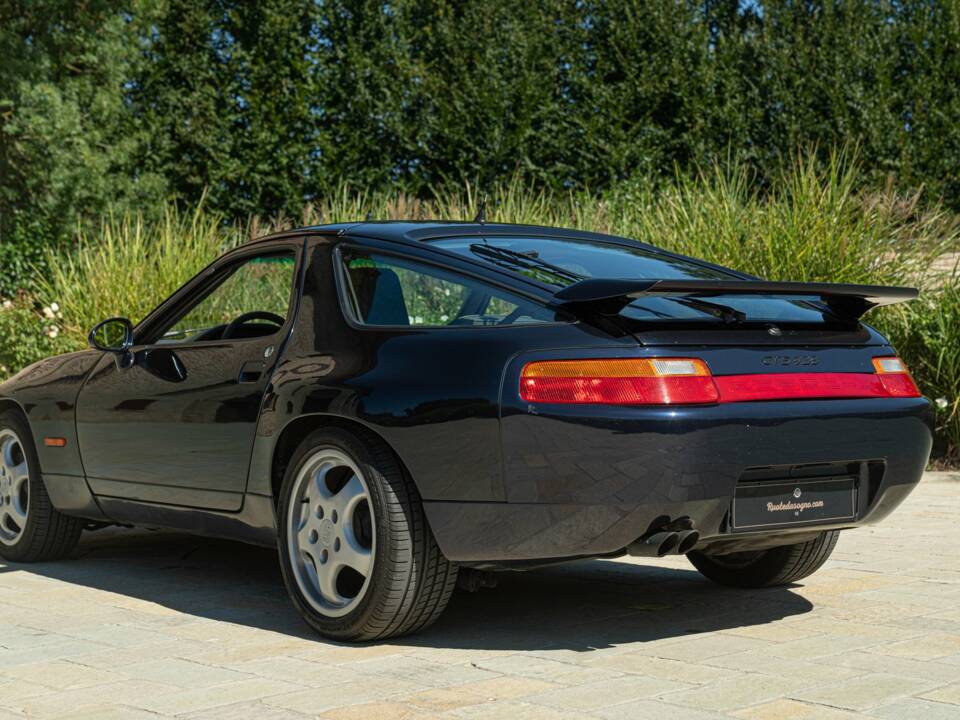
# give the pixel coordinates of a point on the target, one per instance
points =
(432, 394)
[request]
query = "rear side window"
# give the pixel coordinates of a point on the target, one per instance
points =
(388, 290)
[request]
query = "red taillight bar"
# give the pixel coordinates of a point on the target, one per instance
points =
(806, 385)
(687, 381)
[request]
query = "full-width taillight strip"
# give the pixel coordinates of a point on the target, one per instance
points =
(686, 381)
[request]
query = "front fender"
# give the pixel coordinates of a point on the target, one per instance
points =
(46, 393)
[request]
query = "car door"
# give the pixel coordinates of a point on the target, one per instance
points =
(173, 420)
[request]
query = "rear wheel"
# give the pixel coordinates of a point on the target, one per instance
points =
(31, 529)
(357, 555)
(764, 568)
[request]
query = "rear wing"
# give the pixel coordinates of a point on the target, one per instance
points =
(846, 301)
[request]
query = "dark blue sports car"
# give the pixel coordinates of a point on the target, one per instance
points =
(394, 404)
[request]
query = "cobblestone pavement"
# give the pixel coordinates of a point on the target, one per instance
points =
(147, 625)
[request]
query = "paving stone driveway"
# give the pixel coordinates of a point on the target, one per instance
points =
(148, 625)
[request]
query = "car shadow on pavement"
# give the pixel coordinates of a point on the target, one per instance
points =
(579, 606)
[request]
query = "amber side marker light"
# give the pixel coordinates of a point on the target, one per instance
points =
(55, 442)
(619, 381)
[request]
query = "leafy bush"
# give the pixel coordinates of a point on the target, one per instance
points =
(129, 267)
(27, 334)
(813, 226)
(927, 335)
(23, 251)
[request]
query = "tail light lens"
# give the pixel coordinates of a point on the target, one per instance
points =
(895, 377)
(688, 381)
(627, 381)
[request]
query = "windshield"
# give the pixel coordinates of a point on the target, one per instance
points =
(564, 261)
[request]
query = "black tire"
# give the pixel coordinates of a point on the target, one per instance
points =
(765, 568)
(47, 534)
(411, 581)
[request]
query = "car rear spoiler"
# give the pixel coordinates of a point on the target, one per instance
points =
(846, 301)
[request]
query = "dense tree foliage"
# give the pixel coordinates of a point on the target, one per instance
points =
(266, 106)
(69, 146)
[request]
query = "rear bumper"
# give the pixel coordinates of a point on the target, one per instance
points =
(580, 485)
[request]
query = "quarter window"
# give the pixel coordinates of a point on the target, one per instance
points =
(386, 290)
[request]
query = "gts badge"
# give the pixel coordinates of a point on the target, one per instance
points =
(790, 360)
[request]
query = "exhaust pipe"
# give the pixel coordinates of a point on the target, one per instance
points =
(655, 545)
(688, 540)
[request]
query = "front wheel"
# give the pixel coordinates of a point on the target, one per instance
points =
(765, 568)
(31, 529)
(357, 555)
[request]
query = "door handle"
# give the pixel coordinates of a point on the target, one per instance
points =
(251, 372)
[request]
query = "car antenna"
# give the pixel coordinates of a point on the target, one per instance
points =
(482, 212)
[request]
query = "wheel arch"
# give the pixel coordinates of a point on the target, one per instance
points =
(8, 403)
(298, 428)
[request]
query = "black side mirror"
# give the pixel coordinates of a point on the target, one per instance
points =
(112, 335)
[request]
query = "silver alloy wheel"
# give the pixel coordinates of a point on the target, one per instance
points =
(331, 536)
(14, 487)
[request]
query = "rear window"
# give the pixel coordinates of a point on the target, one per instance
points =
(564, 261)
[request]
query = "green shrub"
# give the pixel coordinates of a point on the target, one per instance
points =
(28, 334)
(927, 335)
(813, 226)
(128, 267)
(23, 252)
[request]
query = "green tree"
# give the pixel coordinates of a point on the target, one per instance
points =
(68, 147)
(263, 107)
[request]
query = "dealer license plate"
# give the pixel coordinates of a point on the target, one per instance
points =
(804, 502)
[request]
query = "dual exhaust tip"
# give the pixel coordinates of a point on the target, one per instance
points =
(664, 542)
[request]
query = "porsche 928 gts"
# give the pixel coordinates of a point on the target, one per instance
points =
(392, 404)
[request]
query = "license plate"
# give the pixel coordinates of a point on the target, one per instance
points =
(804, 502)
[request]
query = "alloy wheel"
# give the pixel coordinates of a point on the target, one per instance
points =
(14, 487)
(331, 536)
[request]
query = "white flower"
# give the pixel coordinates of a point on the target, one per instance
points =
(942, 403)
(52, 331)
(7, 304)
(48, 313)
(54, 307)
(444, 318)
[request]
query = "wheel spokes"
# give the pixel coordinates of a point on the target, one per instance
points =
(18, 501)
(7, 447)
(323, 576)
(348, 496)
(353, 555)
(327, 574)
(14, 487)
(18, 474)
(318, 489)
(304, 535)
(331, 532)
